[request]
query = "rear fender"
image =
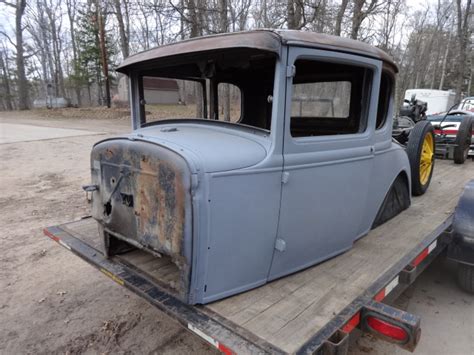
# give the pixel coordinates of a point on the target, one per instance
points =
(397, 199)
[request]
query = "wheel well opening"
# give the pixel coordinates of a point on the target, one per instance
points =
(403, 175)
(396, 200)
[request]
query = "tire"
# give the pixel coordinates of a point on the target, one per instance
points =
(466, 277)
(420, 150)
(463, 140)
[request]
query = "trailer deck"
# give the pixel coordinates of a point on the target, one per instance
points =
(299, 312)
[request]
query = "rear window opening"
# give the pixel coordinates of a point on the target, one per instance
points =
(234, 86)
(171, 98)
(229, 98)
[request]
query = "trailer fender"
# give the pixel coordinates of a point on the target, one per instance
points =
(461, 249)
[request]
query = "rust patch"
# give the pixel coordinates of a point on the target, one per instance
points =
(156, 217)
(160, 206)
(110, 152)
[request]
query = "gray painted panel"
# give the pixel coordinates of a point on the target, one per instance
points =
(321, 210)
(322, 207)
(249, 233)
(243, 223)
(219, 148)
(387, 165)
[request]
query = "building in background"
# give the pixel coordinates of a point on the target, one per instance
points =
(156, 90)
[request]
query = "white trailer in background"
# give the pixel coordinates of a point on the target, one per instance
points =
(438, 100)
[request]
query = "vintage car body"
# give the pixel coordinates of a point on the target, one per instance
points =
(234, 206)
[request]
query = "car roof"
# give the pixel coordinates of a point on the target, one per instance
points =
(262, 39)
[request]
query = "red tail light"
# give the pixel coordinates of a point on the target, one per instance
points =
(392, 331)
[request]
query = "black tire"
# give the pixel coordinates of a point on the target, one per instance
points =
(414, 150)
(463, 140)
(466, 277)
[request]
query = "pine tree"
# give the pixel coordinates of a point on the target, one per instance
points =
(88, 66)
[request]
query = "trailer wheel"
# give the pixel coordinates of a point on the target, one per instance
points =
(466, 277)
(463, 141)
(420, 150)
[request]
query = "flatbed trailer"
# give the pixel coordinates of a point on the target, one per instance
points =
(314, 310)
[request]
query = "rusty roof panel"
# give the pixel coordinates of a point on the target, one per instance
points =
(341, 44)
(264, 39)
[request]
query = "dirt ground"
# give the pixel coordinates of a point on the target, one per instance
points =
(53, 302)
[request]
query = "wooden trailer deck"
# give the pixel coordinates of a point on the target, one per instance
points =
(287, 312)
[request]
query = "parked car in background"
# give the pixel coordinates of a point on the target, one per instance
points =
(454, 129)
(467, 104)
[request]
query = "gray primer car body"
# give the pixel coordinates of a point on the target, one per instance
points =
(240, 206)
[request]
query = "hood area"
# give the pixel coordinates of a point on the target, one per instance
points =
(213, 147)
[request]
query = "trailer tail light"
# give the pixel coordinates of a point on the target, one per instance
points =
(387, 329)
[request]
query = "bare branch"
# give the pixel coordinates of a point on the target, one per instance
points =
(8, 3)
(8, 37)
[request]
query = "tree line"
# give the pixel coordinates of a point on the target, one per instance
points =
(69, 48)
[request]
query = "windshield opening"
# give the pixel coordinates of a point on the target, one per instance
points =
(233, 86)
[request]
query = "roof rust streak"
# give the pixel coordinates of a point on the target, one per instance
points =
(265, 40)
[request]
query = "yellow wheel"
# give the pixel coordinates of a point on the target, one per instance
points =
(421, 152)
(426, 159)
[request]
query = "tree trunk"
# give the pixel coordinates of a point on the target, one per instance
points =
(469, 84)
(224, 25)
(194, 19)
(58, 71)
(20, 59)
(226, 103)
(445, 60)
(340, 17)
(436, 66)
(357, 18)
(463, 39)
(71, 9)
(124, 44)
(290, 19)
(103, 54)
(198, 94)
(6, 83)
(322, 9)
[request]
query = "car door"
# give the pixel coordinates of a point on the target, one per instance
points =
(328, 151)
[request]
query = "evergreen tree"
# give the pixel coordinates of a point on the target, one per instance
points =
(89, 70)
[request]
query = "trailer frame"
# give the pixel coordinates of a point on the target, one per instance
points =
(227, 337)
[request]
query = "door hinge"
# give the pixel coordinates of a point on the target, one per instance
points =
(290, 71)
(285, 176)
(280, 245)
